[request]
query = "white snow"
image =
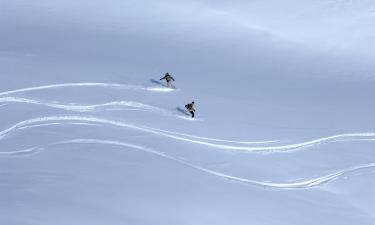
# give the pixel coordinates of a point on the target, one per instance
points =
(284, 131)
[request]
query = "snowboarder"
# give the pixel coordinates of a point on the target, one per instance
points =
(190, 108)
(169, 80)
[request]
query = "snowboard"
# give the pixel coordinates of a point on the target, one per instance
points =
(158, 82)
(183, 111)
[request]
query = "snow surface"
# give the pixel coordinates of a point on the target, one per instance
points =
(284, 133)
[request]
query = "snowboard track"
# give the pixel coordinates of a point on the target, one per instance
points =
(244, 146)
(308, 183)
(123, 105)
(87, 84)
(81, 120)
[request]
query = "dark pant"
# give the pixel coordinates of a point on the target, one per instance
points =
(192, 113)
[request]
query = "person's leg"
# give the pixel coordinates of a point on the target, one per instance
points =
(169, 84)
(192, 114)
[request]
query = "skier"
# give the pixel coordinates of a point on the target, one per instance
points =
(169, 79)
(190, 108)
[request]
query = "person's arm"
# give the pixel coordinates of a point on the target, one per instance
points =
(162, 78)
(172, 78)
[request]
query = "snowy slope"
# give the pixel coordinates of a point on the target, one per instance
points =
(284, 132)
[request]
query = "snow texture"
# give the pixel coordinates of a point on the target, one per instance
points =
(284, 131)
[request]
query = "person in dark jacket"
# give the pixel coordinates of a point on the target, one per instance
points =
(169, 80)
(190, 108)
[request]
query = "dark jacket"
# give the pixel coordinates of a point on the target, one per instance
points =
(167, 77)
(190, 107)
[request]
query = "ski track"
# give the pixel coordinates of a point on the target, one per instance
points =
(108, 85)
(213, 139)
(98, 121)
(87, 108)
(303, 184)
(84, 108)
(109, 106)
(28, 151)
(57, 124)
(189, 118)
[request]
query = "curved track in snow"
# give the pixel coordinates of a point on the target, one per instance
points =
(213, 139)
(303, 184)
(85, 108)
(107, 85)
(114, 105)
(99, 121)
(28, 151)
